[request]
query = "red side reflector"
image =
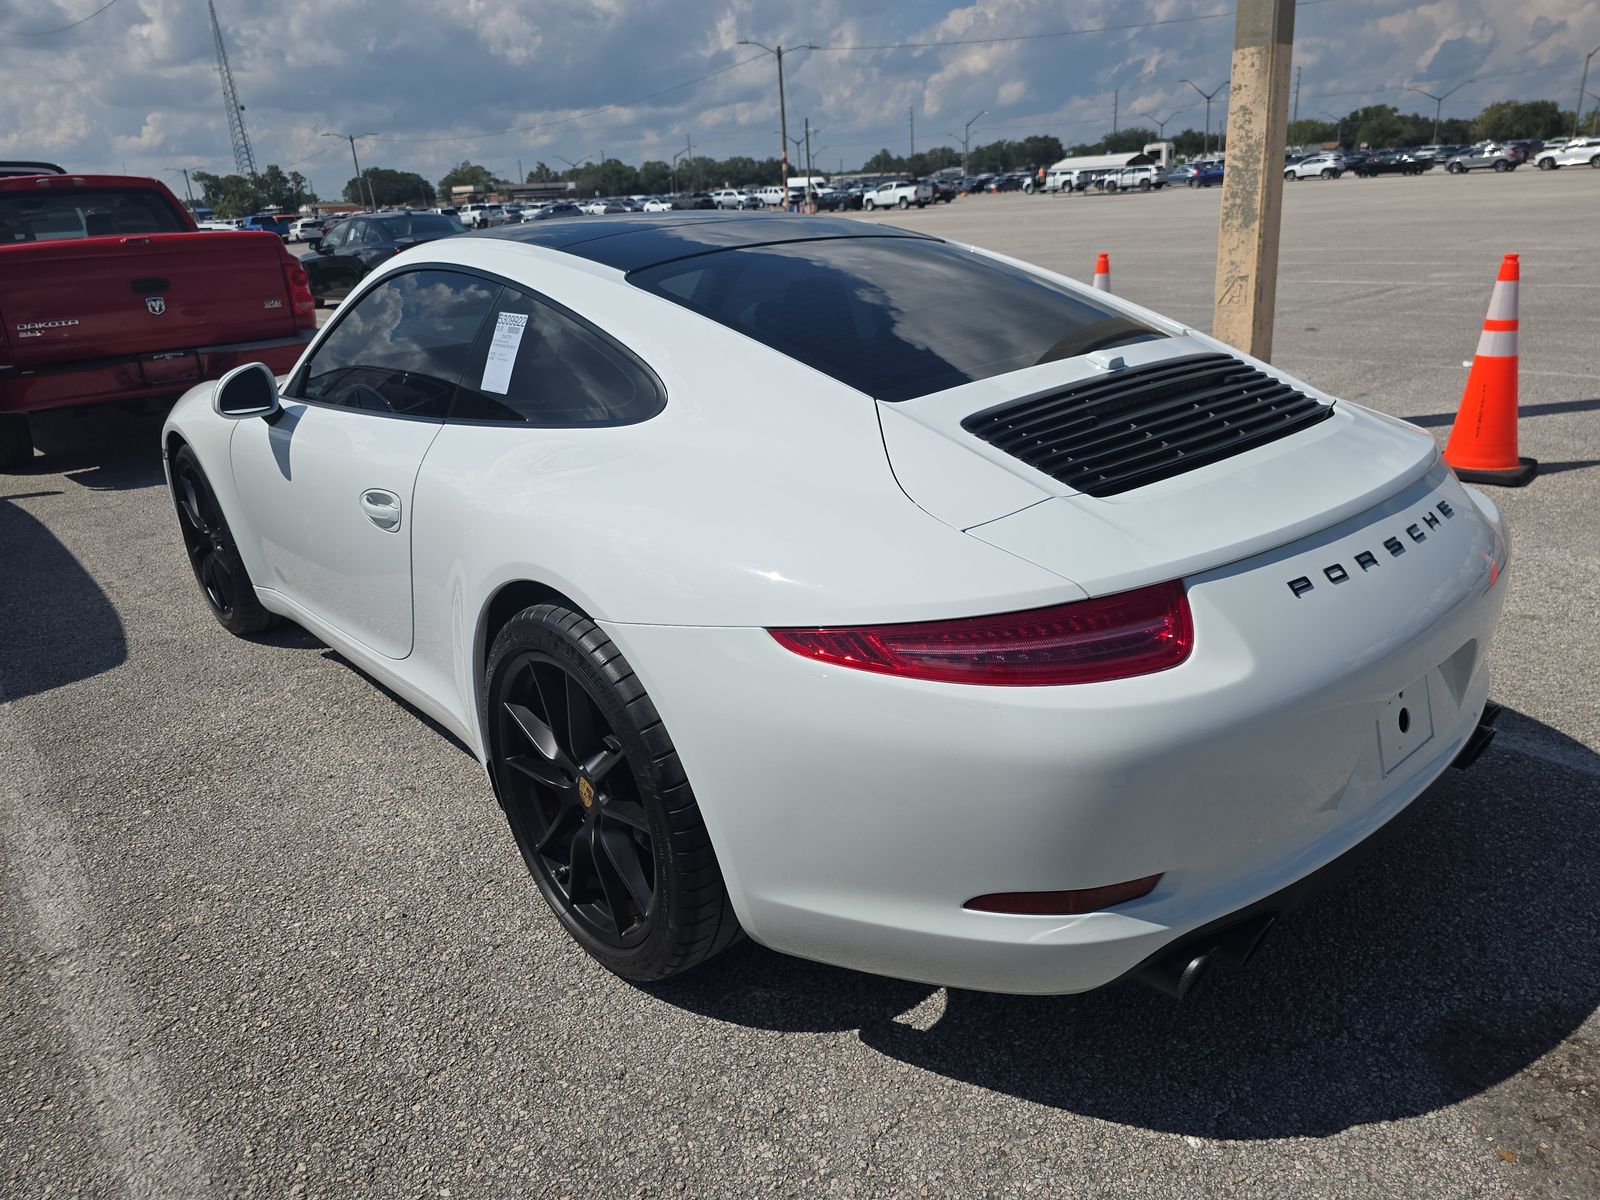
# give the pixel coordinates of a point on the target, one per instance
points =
(1063, 904)
(1111, 637)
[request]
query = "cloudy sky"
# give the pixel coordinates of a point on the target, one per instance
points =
(136, 86)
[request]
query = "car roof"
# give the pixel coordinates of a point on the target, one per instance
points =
(648, 240)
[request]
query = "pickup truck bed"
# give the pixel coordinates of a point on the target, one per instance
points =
(108, 292)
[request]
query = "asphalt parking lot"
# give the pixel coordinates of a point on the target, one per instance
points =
(264, 932)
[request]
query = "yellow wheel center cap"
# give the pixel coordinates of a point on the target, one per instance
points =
(585, 792)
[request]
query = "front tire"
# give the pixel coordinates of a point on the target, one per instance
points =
(1455, 169)
(16, 441)
(597, 799)
(869, 205)
(213, 555)
(1547, 164)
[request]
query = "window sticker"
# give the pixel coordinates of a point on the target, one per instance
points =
(508, 331)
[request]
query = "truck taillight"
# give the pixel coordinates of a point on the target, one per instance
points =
(302, 304)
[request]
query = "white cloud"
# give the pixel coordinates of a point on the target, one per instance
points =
(139, 83)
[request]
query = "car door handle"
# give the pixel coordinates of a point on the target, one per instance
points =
(382, 509)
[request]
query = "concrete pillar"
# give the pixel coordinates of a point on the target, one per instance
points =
(1252, 188)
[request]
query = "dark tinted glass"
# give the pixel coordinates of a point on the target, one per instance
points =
(894, 317)
(403, 346)
(420, 225)
(536, 365)
(59, 214)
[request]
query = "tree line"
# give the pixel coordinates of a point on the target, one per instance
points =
(1376, 125)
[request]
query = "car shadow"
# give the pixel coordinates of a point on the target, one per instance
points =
(1459, 953)
(102, 448)
(58, 625)
(1552, 409)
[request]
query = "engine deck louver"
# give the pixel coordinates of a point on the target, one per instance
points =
(1128, 428)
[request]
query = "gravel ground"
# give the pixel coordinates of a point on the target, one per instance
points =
(263, 931)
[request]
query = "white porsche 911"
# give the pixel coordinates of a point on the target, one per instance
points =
(901, 605)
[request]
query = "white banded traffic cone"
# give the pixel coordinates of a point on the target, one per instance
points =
(1102, 273)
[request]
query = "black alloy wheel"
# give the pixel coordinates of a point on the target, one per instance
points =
(218, 569)
(1502, 165)
(597, 801)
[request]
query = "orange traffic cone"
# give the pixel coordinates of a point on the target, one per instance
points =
(1102, 273)
(1483, 441)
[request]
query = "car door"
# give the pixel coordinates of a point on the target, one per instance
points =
(329, 485)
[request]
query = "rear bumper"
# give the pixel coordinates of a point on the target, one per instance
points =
(133, 377)
(855, 814)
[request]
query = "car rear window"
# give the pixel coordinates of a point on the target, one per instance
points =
(59, 214)
(893, 317)
(420, 224)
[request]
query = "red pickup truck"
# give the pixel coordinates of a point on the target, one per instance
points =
(109, 292)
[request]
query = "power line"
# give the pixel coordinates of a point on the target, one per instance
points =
(59, 28)
(594, 112)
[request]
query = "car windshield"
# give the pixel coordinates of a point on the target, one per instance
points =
(421, 225)
(51, 215)
(893, 317)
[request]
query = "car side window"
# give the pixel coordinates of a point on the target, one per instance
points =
(402, 348)
(336, 236)
(373, 234)
(536, 364)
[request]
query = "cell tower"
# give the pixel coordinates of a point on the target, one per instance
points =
(244, 159)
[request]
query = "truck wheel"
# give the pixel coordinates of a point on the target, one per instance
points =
(903, 203)
(868, 204)
(16, 443)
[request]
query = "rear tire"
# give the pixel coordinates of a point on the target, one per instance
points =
(903, 203)
(1329, 173)
(16, 441)
(1502, 166)
(1144, 185)
(218, 569)
(598, 801)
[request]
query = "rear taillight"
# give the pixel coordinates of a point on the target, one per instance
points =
(302, 304)
(1063, 904)
(1113, 637)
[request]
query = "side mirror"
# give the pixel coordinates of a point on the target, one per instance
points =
(322, 246)
(247, 391)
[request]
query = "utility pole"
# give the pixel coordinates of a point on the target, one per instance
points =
(911, 113)
(810, 203)
(351, 138)
(187, 190)
(1252, 187)
(1116, 96)
(1582, 85)
(1161, 123)
(1295, 116)
(778, 52)
(1205, 147)
(1438, 103)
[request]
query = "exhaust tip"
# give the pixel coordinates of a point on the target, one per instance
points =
(1179, 972)
(1481, 737)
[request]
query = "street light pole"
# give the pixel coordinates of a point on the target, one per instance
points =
(966, 136)
(351, 138)
(1206, 146)
(1338, 127)
(1438, 103)
(1577, 117)
(778, 52)
(1161, 126)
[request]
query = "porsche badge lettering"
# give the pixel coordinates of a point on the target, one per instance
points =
(1367, 560)
(586, 791)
